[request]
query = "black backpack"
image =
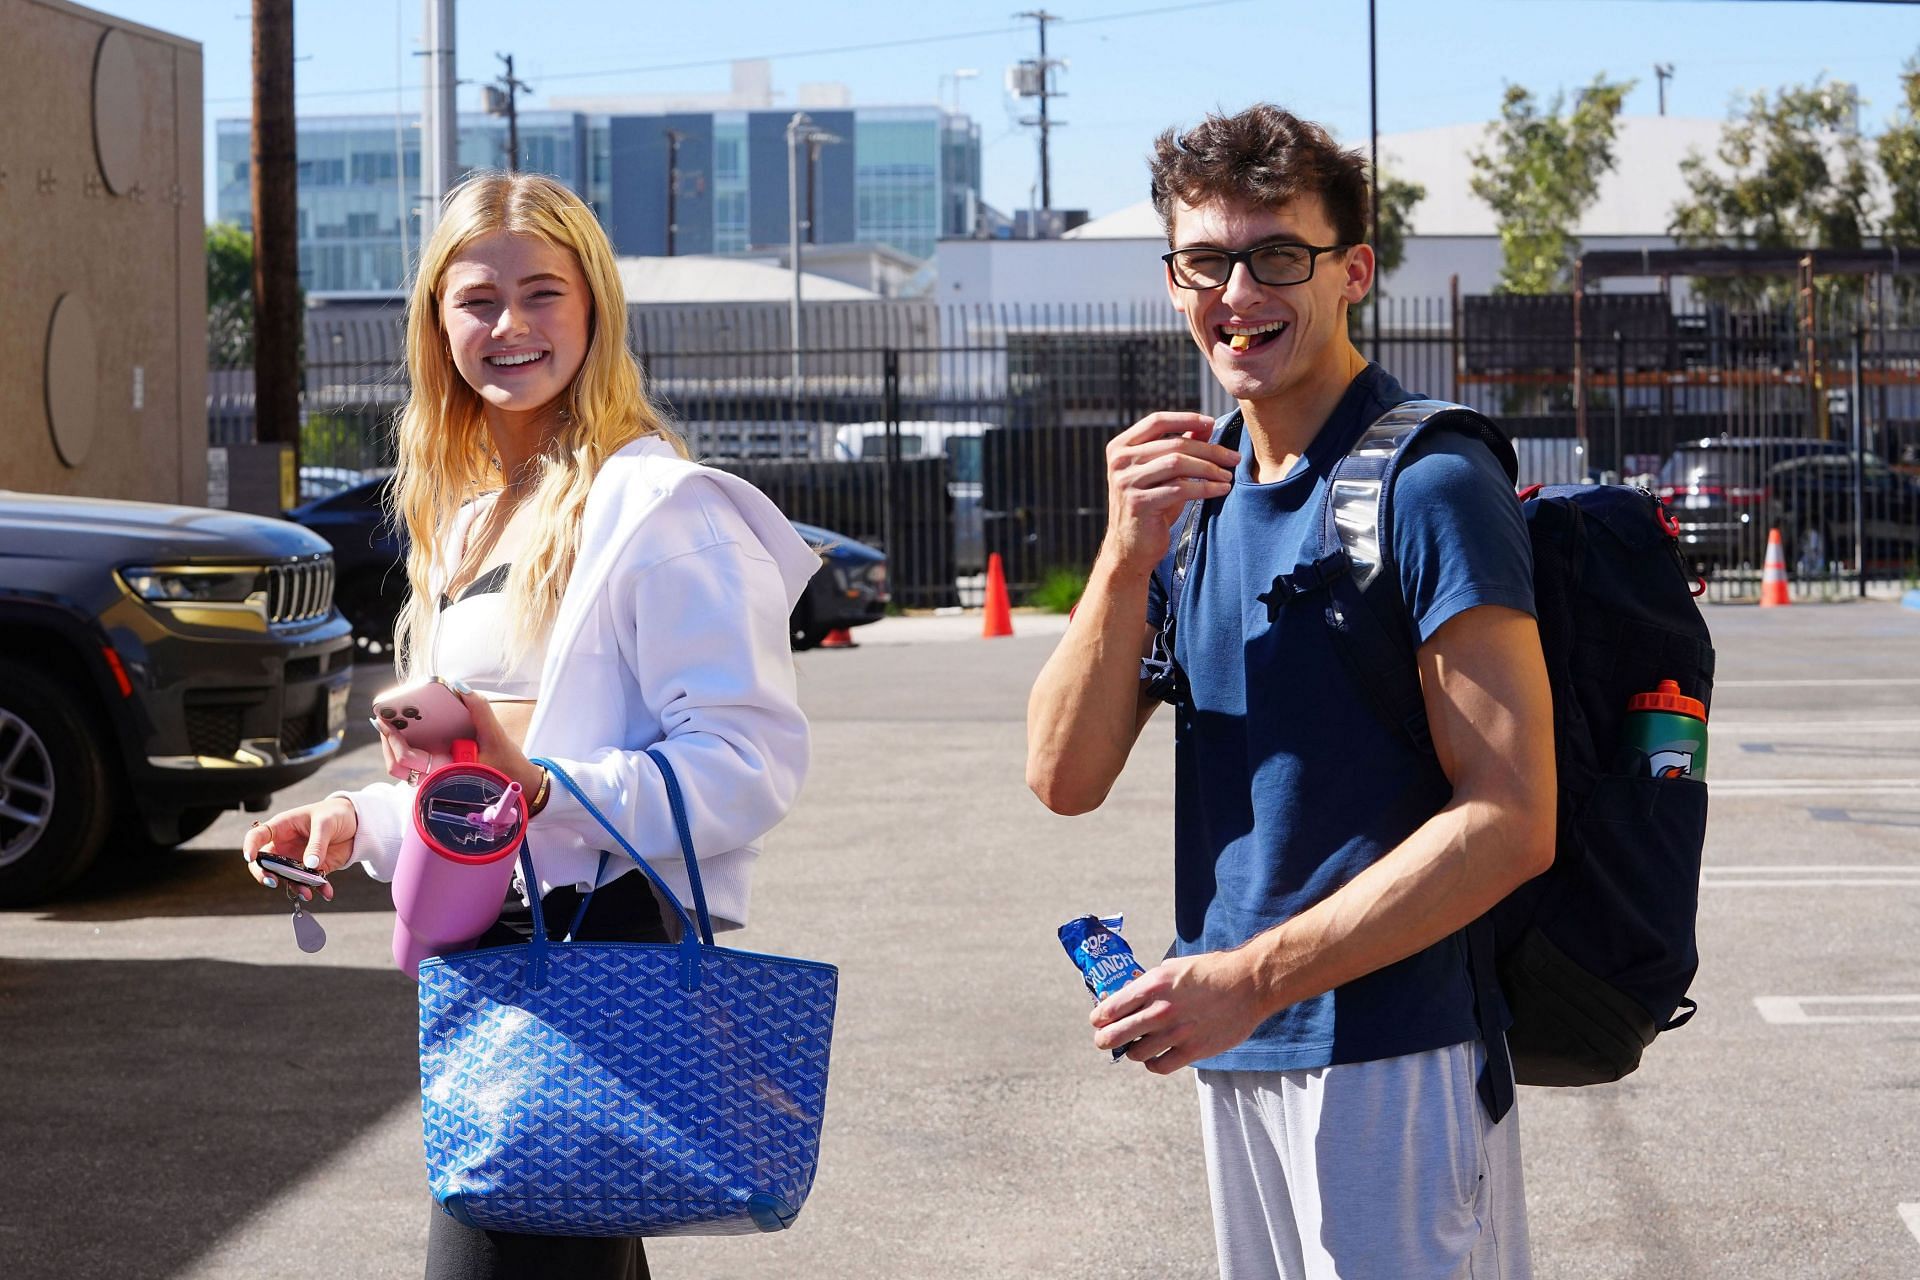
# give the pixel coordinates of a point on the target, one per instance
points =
(1594, 956)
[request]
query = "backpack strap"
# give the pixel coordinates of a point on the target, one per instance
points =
(1365, 606)
(1159, 672)
(1374, 631)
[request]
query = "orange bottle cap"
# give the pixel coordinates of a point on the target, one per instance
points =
(1668, 698)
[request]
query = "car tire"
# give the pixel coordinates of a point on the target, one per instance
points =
(131, 837)
(56, 806)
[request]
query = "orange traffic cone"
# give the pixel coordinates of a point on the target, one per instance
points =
(1773, 578)
(838, 638)
(999, 620)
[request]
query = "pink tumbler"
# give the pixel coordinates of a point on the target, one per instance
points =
(456, 858)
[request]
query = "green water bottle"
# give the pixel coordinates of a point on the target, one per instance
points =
(1665, 735)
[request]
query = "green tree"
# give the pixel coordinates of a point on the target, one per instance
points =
(1397, 200)
(1899, 153)
(229, 294)
(1541, 171)
(1791, 173)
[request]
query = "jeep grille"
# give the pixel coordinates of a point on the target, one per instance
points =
(300, 592)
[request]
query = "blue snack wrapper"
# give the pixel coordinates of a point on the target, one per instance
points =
(1105, 960)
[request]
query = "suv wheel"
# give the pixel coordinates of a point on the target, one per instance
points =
(55, 807)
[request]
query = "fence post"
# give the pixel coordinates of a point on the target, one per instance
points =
(1858, 411)
(889, 498)
(1580, 356)
(1619, 404)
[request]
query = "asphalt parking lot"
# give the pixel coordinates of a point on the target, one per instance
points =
(188, 1095)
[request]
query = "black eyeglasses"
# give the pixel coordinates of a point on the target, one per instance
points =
(1270, 264)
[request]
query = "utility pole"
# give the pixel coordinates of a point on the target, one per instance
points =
(674, 138)
(795, 127)
(439, 121)
(1034, 79)
(799, 129)
(1663, 72)
(276, 242)
(503, 99)
(814, 142)
(1373, 176)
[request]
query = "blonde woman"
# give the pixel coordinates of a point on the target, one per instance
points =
(597, 592)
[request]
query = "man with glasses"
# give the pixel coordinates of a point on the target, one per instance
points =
(1324, 867)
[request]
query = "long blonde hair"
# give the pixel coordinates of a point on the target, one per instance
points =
(445, 454)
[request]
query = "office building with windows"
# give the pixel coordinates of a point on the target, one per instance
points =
(685, 182)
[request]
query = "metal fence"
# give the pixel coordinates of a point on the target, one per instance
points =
(945, 434)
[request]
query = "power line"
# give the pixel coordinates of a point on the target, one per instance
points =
(868, 47)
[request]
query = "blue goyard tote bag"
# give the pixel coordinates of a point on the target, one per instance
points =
(624, 1089)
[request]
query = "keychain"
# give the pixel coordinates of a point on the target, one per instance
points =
(307, 931)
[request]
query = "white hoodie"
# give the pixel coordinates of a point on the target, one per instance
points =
(674, 633)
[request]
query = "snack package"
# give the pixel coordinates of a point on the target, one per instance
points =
(1105, 960)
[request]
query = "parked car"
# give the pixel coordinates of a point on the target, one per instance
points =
(850, 590)
(369, 557)
(158, 666)
(1810, 500)
(324, 482)
(1717, 489)
(961, 443)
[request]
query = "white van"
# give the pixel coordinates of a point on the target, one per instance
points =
(960, 442)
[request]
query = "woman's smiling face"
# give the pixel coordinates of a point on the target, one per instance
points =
(518, 317)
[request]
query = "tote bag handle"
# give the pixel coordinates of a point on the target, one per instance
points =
(691, 936)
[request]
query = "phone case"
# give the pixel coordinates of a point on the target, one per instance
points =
(428, 715)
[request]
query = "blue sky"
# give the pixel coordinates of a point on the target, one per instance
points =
(1136, 66)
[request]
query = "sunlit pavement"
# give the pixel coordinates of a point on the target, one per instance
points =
(190, 1095)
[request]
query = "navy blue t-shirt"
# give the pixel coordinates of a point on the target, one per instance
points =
(1287, 783)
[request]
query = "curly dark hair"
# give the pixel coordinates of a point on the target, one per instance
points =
(1263, 156)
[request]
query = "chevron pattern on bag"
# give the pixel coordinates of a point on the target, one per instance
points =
(613, 1102)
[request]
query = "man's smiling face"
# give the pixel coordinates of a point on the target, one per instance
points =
(1289, 332)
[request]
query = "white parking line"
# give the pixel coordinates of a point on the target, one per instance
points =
(1736, 728)
(1910, 1214)
(1814, 684)
(1791, 1011)
(1800, 877)
(1730, 788)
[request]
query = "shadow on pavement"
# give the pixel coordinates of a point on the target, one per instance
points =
(197, 882)
(137, 1130)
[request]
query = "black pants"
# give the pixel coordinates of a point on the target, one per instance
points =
(623, 911)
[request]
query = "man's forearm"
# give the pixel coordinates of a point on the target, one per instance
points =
(1085, 710)
(1448, 873)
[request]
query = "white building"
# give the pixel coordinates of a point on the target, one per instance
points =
(1114, 259)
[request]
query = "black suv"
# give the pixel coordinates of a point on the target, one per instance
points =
(158, 665)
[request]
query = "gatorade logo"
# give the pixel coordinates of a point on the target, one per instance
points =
(1670, 764)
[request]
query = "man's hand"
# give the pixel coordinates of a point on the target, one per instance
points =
(1154, 468)
(1181, 1010)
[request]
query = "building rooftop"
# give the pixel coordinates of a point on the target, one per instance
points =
(1636, 199)
(704, 278)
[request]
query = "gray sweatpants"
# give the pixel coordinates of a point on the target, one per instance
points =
(1384, 1170)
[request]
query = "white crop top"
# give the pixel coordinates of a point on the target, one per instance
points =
(470, 641)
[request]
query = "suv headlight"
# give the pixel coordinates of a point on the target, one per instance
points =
(193, 586)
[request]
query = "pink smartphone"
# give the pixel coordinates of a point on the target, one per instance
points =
(427, 714)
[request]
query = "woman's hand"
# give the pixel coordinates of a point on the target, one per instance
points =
(498, 748)
(318, 836)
